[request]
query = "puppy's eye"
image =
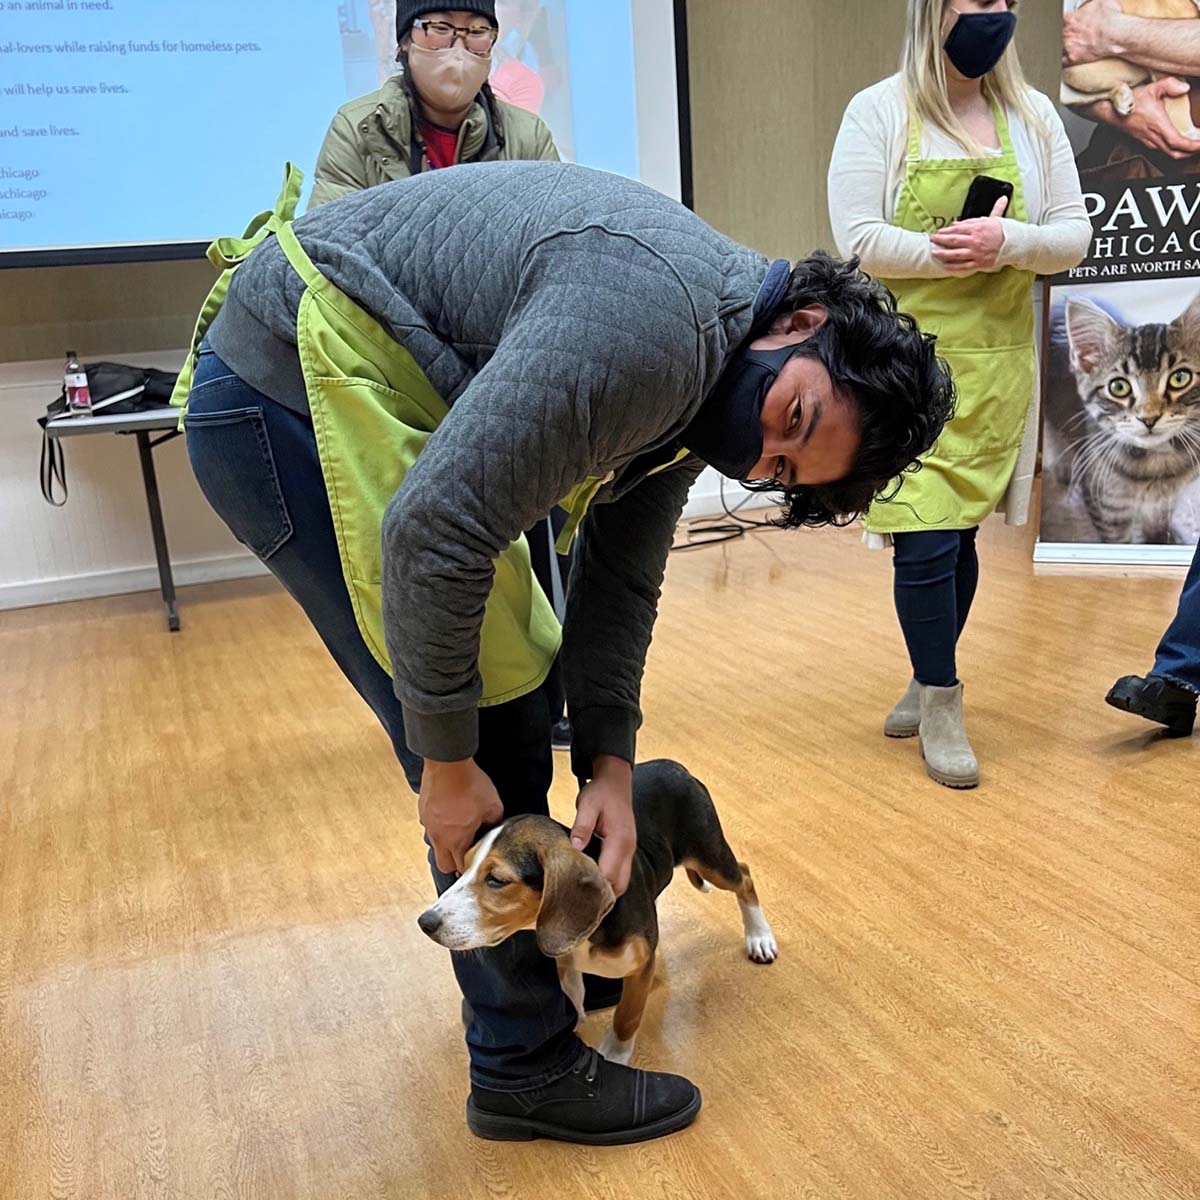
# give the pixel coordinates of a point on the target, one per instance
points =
(493, 882)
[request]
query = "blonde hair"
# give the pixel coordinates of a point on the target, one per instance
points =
(923, 66)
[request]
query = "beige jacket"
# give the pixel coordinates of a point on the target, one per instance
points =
(368, 142)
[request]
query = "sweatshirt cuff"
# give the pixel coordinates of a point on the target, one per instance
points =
(596, 731)
(444, 737)
(1015, 242)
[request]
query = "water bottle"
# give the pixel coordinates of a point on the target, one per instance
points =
(75, 385)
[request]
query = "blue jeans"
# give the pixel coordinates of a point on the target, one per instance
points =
(256, 462)
(1178, 656)
(936, 575)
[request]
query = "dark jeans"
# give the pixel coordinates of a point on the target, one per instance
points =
(936, 574)
(1178, 656)
(256, 462)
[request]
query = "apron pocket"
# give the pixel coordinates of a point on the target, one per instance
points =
(994, 389)
(233, 463)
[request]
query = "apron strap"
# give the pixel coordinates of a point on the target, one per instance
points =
(914, 135)
(303, 265)
(227, 254)
(1002, 130)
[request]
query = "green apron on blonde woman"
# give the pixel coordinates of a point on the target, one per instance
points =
(984, 326)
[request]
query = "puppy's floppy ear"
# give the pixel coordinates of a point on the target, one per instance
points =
(575, 899)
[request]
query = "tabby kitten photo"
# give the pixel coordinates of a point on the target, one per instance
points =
(1136, 443)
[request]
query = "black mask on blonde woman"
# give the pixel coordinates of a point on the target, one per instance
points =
(977, 41)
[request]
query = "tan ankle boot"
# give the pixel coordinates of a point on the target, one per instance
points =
(904, 721)
(948, 756)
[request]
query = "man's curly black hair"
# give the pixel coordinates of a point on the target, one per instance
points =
(876, 354)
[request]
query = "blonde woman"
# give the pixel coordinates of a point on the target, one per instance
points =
(907, 154)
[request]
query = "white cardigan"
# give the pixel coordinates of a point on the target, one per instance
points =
(865, 177)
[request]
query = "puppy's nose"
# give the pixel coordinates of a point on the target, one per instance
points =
(429, 922)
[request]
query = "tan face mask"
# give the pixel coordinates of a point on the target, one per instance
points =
(448, 79)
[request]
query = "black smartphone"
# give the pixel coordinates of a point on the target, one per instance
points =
(982, 196)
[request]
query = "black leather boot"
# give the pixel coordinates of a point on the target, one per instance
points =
(1156, 699)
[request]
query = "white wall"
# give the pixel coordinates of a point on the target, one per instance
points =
(99, 544)
(705, 497)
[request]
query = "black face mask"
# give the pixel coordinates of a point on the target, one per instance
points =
(727, 431)
(978, 41)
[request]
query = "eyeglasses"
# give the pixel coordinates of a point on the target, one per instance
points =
(441, 35)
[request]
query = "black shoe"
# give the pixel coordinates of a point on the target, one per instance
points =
(1156, 699)
(600, 993)
(560, 735)
(597, 1103)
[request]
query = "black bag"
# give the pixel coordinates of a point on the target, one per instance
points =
(117, 390)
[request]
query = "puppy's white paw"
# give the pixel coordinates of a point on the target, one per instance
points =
(615, 1050)
(761, 947)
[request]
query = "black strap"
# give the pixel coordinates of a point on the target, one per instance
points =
(53, 469)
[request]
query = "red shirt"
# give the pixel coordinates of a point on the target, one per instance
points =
(441, 145)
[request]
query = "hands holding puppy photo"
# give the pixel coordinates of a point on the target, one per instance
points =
(971, 245)
(458, 799)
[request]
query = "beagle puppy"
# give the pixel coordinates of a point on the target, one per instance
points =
(526, 875)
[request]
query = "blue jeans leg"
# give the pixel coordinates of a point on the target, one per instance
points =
(936, 575)
(966, 577)
(1178, 656)
(256, 462)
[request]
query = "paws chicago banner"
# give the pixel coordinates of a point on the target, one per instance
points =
(1121, 448)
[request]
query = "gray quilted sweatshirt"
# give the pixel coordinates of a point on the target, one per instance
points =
(574, 321)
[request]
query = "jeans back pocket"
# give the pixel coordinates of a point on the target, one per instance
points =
(232, 460)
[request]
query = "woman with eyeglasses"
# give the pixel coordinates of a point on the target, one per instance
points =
(437, 112)
(954, 182)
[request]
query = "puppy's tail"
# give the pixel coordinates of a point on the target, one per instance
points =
(701, 885)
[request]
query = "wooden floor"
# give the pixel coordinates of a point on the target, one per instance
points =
(212, 983)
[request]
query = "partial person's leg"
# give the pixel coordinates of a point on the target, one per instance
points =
(257, 463)
(927, 604)
(926, 592)
(1168, 695)
(521, 1030)
(1178, 655)
(966, 576)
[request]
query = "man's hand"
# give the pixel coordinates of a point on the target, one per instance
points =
(457, 798)
(1149, 122)
(1090, 33)
(605, 808)
(972, 245)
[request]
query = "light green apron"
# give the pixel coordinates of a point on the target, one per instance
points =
(373, 410)
(984, 326)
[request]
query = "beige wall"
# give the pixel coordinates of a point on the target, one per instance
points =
(769, 81)
(99, 310)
